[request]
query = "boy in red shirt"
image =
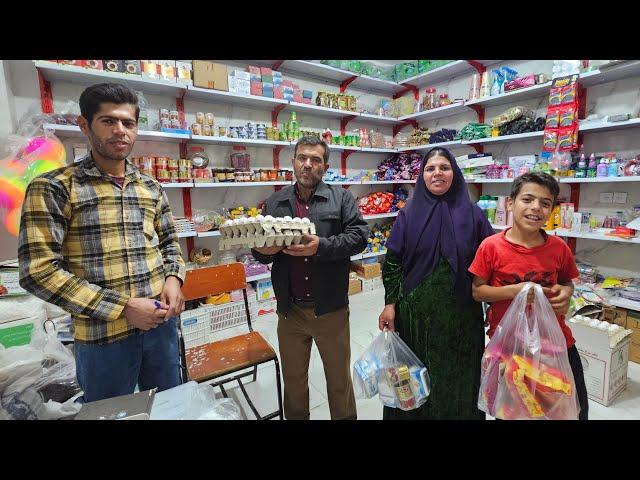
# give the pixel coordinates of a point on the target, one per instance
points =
(505, 262)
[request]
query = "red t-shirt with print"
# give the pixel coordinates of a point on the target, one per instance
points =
(502, 262)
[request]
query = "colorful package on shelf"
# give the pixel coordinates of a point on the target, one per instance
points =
(443, 135)
(521, 82)
(400, 198)
(400, 166)
(377, 241)
(375, 203)
(525, 370)
(251, 266)
(390, 369)
(473, 131)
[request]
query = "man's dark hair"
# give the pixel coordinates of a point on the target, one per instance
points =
(94, 95)
(541, 178)
(312, 140)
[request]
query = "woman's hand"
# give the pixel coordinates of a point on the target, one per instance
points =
(387, 318)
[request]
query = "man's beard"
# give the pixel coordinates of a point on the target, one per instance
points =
(311, 182)
(100, 147)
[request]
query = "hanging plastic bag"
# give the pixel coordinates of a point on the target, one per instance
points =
(525, 367)
(390, 369)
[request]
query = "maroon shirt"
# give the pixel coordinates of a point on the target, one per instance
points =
(300, 273)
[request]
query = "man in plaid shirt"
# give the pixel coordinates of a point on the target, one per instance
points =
(97, 239)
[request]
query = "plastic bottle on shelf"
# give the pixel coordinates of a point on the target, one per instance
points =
(591, 168)
(613, 168)
(602, 169)
(492, 206)
(294, 129)
(581, 171)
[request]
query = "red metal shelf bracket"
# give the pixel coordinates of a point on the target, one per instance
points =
(478, 66)
(46, 97)
(479, 109)
(343, 160)
(276, 156)
(274, 115)
(397, 128)
(180, 107)
(346, 83)
(277, 65)
(408, 88)
(344, 121)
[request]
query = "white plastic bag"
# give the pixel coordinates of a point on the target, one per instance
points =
(205, 406)
(525, 367)
(391, 370)
(38, 380)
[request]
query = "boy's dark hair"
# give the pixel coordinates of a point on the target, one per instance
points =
(540, 178)
(94, 95)
(312, 140)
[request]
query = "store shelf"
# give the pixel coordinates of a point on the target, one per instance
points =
(368, 255)
(379, 150)
(611, 73)
(599, 180)
(380, 215)
(177, 185)
(262, 276)
(237, 141)
(434, 113)
(215, 233)
(535, 91)
(236, 99)
(304, 108)
(73, 131)
(445, 72)
(87, 76)
(624, 303)
(373, 182)
(187, 234)
(598, 235)
(488, 180)
(601, 125)
(378, 119)
(342, 148)
(506, 138)
(240, 184)
(429, 146)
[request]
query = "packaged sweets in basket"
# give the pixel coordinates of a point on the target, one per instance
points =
(389, 369)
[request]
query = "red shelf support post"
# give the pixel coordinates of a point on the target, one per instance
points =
(46, 97)
(276, 65)
(274, 115)
(478, 66)
(344, 121)
(346, 83)
(343, 160)
(408, 88)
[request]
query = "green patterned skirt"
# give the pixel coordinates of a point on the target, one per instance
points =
(446, 336)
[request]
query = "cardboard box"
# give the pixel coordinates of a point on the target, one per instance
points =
(254, 70)
(150, 69)
(255, 78)
(256, 88)
(132, 67)
(278, 94)
(307, 101)
(633, 323)
(231, 81)
(267, 93)
(113, 65)
(605, 367)
(355, 286)
(9, 282)
(184, 71)
(167, 70)
(241, 75)
(210, 75)
(75, 63)
(267, 85)
(369, 270)
(266, 71)
(307, 94)
(264, 289)
(243, 86)
(615, 315)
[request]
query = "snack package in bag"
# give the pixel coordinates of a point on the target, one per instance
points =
(525, 367)
(391, 370)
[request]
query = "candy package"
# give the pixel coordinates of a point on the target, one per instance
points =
(390, 369)
(550, 140)
(553, 118)
(567, 138)
(567, 115)
(525, 370)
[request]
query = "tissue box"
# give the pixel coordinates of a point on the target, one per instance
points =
(371, 284)
(150, 69)
(367, 271)
(114, 66)
(308, 101)
(243, 86)
(95, 64)
(242, 75)
(254, 70)
(266, 71)
(267, 79)
(307, 93)
(605, 367)
(133, 67)
(184, 72)
(255, 78)
(231, 81)
(267, 93)
(297, 98)
(256, 88)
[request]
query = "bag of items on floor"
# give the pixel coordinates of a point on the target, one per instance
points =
(390, 369)
(205, 406)
(38, 380)
(525, 367)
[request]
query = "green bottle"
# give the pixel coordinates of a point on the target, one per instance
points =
(294, 128)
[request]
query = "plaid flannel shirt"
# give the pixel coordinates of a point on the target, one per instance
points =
(87, 245)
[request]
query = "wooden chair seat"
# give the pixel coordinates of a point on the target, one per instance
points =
(226, 356)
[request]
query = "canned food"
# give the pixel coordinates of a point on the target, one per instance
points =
(288, 175)
(273, 175)
(172, 164)
(264, 175)
(165, 123)
(209, 118)
(164, 114)
(162, 175)
(173, 175)
(176, 124)
(206, 130)
(196, 129)
(174, 116)
(229, 174)
(281, 175)
(222, 131)
(161, 163)
(200, 118)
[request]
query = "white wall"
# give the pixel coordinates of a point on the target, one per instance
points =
(20, 92)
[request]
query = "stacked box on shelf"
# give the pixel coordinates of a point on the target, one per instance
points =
(210, 75)
(307, 96)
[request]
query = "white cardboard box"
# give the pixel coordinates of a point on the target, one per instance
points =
(605, 367)
(371, 284)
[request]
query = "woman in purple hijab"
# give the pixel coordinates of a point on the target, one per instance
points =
(428, 288)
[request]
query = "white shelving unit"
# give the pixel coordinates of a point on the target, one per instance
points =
(250, 142)
(215, 233)
(597, 235)
(367, 255)
(177, 185)
(434, 113)
(429, 146)
(506, 138)
(450, 70)
(239, 184)
(73, 131)
(187, 234)
(262, 276)
(380, 215)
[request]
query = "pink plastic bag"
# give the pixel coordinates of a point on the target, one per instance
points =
(525, 368)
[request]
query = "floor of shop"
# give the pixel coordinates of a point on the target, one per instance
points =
(365, 308)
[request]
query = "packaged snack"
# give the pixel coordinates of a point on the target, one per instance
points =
(553, 118)
(555, 96)
(569, 93)
(566, 139)
(567, 114)
(550, 140)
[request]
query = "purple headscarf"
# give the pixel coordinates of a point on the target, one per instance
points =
(433, 225)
